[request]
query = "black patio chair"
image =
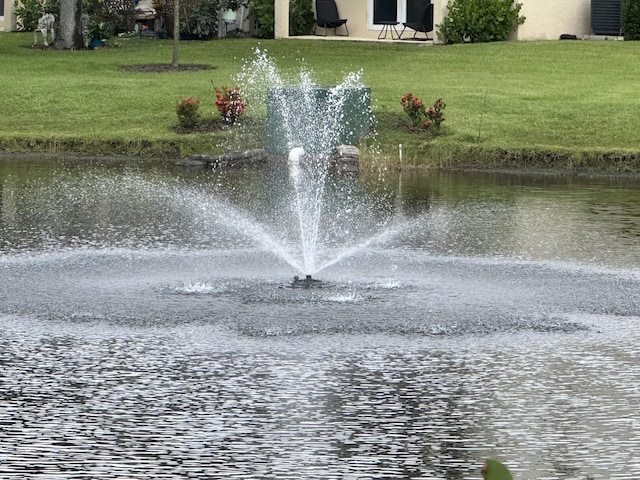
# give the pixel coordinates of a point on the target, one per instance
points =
(327, 17)
(424, 25)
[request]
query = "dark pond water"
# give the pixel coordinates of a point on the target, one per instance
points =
(143, 336)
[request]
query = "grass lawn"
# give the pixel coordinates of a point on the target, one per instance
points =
(565, 101)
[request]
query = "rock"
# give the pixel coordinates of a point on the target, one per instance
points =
(347, 158)
(231, 159)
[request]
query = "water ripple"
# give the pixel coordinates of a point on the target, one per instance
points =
(194, 404)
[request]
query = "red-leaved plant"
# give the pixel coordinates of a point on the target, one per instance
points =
(188, 112)
(230, 103)
(431, 118)
(434, 115)
(413, 107)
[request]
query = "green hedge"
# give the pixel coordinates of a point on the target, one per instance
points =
(476, 21)
(631, 16)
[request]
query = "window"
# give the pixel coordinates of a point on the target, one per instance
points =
(415, 9)
(394, 10)
(385, 11)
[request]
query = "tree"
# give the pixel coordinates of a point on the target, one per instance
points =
(176, 34)
(70, 34)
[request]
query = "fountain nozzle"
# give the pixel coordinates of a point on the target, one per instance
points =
(307, 282)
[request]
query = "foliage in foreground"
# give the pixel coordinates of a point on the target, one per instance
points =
(494, 470)
(480, 20)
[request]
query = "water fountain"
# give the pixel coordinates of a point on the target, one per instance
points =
(306, 123)
(144, 331)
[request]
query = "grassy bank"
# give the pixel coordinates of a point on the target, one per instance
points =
(567, 104)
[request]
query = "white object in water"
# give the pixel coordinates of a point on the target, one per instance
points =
(295, 155)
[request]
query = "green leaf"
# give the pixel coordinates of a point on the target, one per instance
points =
(494, 470)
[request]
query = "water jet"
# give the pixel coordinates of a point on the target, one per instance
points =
(307, 124)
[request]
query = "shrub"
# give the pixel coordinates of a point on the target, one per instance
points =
(631, 15)
(435, 116)
(431, 118)
(229, 103)
(164, 11)
(199, 19)
(264, 14)
(413, 107)
(301, 17)
(120, 15)
(480, 20)
(188, 112)
(29, 11)
(98, 30)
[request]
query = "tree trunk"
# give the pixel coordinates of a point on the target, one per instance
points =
(70, 36)
(176, 33)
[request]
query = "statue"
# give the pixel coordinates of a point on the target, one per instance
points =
(46, 24)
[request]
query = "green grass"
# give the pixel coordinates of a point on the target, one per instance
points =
(576, 100)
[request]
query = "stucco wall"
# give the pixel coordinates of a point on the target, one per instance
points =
(8, 23)
(545, 19)
(356, 15)
(548, 19)
(360, 18)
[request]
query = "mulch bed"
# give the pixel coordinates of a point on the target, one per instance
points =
(166, 67)
(202, 127)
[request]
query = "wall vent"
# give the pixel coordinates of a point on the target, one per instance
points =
(606, 17)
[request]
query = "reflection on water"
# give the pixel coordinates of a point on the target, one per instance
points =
(140, 340)
(193, 403)
(541, 217)
(532, 217)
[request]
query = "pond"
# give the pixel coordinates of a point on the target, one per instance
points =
(148, 329)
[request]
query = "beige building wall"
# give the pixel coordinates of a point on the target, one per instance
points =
(360, 19)
(7, 18)
(546, 19)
